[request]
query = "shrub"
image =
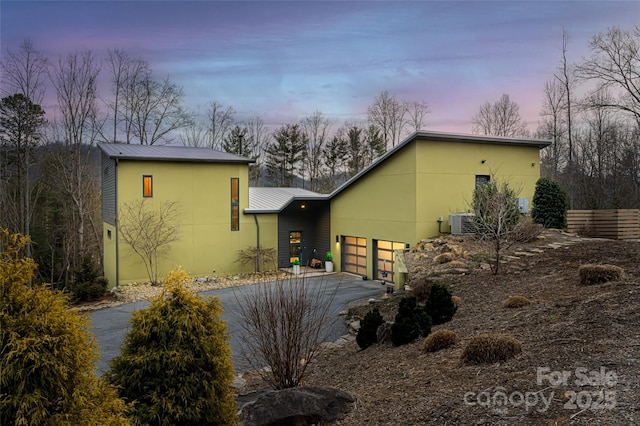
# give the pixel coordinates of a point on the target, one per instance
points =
(176, 360)
(597, 274)
(411, 322)
(86, 284)
(495, 206)
(48, 355)
(489, 348)
(526, 230)
(422, 290)
(439, 305)
(456, 301)
(367, 334)
(549, 204)
(516, 302)
(284, 323)
(260, 258)
(440, 339)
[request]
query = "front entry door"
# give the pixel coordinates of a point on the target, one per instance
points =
(295, 246)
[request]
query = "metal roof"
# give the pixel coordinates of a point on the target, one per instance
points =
(444, 137)
(169, 153)
(274, 200)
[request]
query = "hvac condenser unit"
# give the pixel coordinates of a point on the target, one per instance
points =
(461, 223)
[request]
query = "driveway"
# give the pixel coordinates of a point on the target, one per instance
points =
(110, 325)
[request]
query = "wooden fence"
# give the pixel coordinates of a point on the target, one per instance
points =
(620, 224)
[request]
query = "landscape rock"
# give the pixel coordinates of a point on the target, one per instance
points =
(296, 406)
(443, 258)
(452, 248)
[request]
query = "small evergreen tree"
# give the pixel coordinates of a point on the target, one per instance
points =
(411, 322)
(48, 355)
(439, 304)
(176, 360)
(368, 332)
(549, 204)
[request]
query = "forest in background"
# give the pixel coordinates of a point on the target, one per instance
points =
(50, 175)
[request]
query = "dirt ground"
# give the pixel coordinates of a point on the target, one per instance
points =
(580, 361)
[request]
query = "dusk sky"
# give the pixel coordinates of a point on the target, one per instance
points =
(284, 60)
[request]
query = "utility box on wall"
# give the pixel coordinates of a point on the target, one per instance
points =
(523, 205)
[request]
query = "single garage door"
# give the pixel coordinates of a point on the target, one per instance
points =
(354, 255)
(384, 252)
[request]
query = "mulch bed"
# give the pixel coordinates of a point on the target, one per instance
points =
(579, 330)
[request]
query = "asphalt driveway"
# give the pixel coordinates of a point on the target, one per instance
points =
(110, 325)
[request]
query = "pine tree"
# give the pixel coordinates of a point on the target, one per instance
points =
(285, 154)
(549, 204)
(176, 360)
(48, 355)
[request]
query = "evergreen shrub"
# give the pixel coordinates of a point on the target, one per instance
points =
(367, 334)
(549, 204)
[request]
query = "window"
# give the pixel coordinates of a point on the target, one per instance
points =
(147, 186)
(482, 179)
(235, 204)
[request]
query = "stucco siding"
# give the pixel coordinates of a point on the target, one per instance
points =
(202, 191)
(381, 205)
(446, 177)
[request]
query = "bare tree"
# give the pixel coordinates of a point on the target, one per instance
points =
(316, 127)
(257, 138)
(25, 72)
(220, 123)
(495, 205)
(75, 82)
(615, 64)
(156, 110)
(501, 118)
(195, 134)
(388, 114)
(149, 232)
(125, 72)
(553, 126)
(416, 112)
(284, 324)
(568, 85)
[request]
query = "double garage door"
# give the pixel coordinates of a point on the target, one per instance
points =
(354, 259)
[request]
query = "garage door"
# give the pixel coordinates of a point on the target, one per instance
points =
(354, 255)
(384, 252)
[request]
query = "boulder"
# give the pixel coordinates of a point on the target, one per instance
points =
(452, 248)
(443, 258)
(295, 406)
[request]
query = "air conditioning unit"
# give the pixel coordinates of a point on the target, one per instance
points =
(461, 223)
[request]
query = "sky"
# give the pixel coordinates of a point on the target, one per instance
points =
(284, 60)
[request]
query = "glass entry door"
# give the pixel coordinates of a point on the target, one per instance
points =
(295, 246)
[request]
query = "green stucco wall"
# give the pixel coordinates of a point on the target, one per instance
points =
(401, 199)
(207, 246)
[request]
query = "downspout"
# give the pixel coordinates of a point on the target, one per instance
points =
(255, 218)
(117, 227)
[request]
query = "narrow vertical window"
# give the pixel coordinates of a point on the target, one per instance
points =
(235, 204)
(147, 186)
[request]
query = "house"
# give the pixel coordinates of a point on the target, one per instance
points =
(405, 195)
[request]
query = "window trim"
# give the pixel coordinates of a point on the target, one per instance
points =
(144, 186)
(235, 205)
